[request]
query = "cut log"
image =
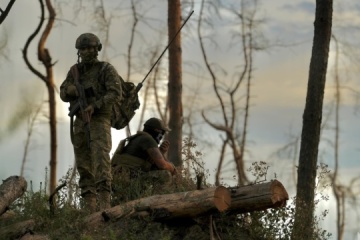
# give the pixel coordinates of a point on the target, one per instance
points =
(11, 189)
(17, 230)
(258, 197)
(6, 216)
(198, 203)
(168, 206)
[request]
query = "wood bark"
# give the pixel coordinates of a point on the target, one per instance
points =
(168, 206)
(258, 197)
(310, 136)
(175, 83)
(11, 188)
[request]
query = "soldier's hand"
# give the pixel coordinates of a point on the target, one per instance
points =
(88, 112)
(174, 172)
(164, 147)
(72, 91)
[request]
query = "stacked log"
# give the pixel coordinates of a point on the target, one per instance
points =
(191, 204)
(197, 203)
(258, 197)
(169, 206)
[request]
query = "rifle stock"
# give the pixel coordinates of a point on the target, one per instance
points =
(74, 109)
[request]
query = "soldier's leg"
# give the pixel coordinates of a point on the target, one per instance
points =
(100, 149)
(85, 167)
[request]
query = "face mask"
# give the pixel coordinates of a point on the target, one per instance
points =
(159, 137)
(88, 57)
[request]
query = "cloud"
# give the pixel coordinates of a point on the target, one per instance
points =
(301, 6)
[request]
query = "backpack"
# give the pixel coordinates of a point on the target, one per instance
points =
(124, 110)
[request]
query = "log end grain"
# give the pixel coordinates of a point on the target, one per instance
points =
(222, 198)
(279, 194)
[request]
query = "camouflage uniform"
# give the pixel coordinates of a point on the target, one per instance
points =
(93, 164)
(133, 163)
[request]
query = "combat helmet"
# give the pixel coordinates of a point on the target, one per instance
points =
(156, 123)
(88, 40)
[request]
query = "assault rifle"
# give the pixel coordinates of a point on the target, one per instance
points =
(80, 104)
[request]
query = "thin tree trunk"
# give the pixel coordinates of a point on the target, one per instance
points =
(175, 83)
(338, 191)
(44, 57)
(304, 215)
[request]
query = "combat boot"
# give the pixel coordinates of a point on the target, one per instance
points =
(104, 200)
(90, 202)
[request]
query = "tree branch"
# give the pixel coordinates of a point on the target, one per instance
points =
(4, 14)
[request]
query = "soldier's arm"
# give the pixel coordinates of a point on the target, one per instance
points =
(158, 159)
(67, 82)
(113, 88)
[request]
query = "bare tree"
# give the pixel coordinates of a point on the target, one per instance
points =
(341, 192)
(304, 215)
(227, 95)
(338, 193)
(31, 124)
(48, 79)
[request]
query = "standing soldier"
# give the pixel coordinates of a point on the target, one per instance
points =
(92, 87)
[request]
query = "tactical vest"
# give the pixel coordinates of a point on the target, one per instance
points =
(126, 160)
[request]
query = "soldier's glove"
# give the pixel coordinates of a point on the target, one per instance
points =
(72, 91)
(88, 112)
(164, 147)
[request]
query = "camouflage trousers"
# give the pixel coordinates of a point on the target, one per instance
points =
(93, 164)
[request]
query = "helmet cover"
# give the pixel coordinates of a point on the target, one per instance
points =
(88, 40)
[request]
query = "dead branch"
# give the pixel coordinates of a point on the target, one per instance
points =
(51, 198)
(4, 13)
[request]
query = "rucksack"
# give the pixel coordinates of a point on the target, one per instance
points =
(124, 110)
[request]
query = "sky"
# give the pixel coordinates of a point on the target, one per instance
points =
(278, 87)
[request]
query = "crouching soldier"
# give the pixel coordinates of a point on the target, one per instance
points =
(140, 156)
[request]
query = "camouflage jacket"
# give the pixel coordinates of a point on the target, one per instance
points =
(102, 92)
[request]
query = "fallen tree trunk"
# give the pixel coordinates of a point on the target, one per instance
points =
(11, 189)
(17, 230)
(198, 203)
(168, 206)
(6, 216)
(258, 197)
